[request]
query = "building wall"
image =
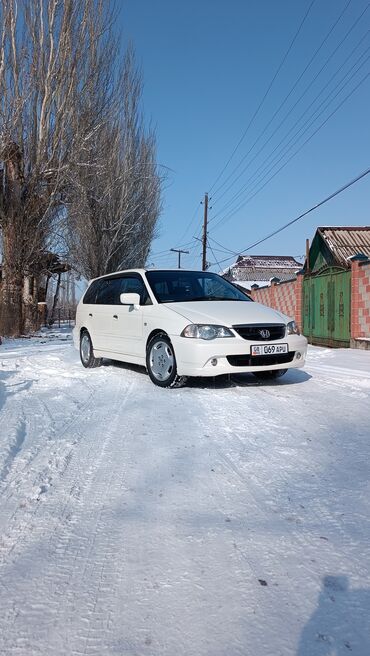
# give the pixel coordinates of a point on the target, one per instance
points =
(283, 296)
(360, 310)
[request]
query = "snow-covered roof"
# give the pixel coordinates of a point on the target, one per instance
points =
(267, 262)
(248, 284)
(259, 269)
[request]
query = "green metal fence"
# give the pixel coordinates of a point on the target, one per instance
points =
(327, 307)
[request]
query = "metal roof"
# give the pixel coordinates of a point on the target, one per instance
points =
(263, 275)
(261, 268)
(347, 241)
(267, 262)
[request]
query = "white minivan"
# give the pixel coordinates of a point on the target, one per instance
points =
(181, 323)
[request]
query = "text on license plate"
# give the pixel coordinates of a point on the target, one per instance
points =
(269, 349)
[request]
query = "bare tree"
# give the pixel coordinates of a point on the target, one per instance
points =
(57, 93)
(116, 203)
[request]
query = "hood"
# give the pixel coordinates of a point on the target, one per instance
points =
(227, 313)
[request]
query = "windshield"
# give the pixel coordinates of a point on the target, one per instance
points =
(179, 286)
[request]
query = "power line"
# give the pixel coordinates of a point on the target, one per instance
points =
(286, 98)
(265, 95)
(167, 250)
(191, 221)
(301, 216)
(194, 260)
(244, 186)
(264, 168)
(249, 198)
(297, 136)
(216, 261)
(226, 250)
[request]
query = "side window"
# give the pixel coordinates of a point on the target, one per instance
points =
(105, 295)
(115, 287)
(90, 294)
(134, 285)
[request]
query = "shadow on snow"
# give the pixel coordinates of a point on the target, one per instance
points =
(341, 622)
(225, 381)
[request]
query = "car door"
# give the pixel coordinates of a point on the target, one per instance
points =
(102, 315)
(127, 320)
(91, 314)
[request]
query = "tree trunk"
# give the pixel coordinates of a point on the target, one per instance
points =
(55, 301)
(11, 307)
(31, 317)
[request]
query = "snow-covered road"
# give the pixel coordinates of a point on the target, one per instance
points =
(228, 518)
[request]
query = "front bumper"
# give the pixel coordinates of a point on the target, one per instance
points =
(194, 356)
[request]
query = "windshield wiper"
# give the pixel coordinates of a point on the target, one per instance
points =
(218, 298)
(207, 298)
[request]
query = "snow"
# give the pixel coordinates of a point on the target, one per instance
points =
(228, 518)
(248, 283)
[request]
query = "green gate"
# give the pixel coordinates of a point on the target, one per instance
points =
(327, 307)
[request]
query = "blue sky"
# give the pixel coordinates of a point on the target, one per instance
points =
(206, 66)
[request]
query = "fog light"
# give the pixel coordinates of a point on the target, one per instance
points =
(214, 362)
(298, 355)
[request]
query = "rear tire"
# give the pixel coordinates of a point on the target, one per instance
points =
(161, 362)
(89, 361)
(270, 375)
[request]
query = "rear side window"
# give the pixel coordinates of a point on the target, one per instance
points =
(90, 294)
(107, 292)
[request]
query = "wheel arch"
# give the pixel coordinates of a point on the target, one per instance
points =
(156, 331)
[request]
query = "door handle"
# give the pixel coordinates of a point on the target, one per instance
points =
(90, 314)
(115, 316)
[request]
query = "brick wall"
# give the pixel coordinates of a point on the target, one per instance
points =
(287, 297)
(283, 296)
(360, 292)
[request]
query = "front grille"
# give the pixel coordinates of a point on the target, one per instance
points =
(252, 331)
(259, 360)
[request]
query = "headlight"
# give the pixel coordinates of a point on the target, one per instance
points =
(205, 331)
(292, 328)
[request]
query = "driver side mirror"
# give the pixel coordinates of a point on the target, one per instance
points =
(130, 299)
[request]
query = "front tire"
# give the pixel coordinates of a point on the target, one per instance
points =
(88, 359)
(270, 375)
(161, 362)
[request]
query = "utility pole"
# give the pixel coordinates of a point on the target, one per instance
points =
(179, 251)
(205, 222)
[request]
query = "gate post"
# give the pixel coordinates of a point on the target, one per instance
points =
(299, 299)
(356, 298)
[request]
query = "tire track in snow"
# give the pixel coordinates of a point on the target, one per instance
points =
(33, 471)
(294, 529)
(339, 372)
(34, 407)
(15, 448)
(84, 552)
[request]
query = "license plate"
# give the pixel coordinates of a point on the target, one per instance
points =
(269, 349)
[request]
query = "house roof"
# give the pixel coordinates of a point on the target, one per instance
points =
(267, 262)
(344, 242)
(48, 262)
(261, 268)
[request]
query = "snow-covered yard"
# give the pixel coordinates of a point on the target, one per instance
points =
(226, 518)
